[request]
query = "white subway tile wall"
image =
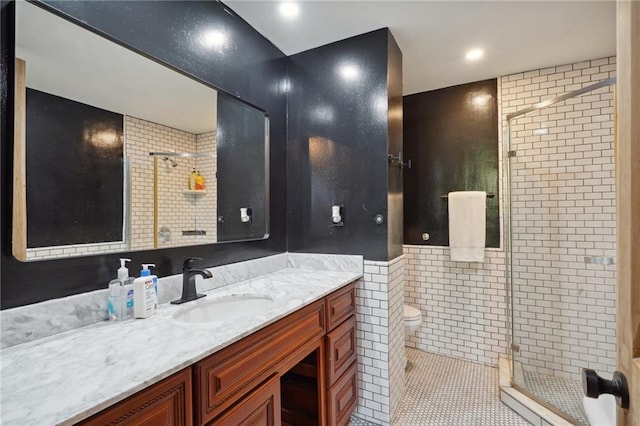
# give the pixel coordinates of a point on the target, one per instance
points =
(139, 141)
(71, 250)
(380, 331)
(207, 207)
(563, 196)
(176, 211)
(463, 304)
(396, 332)
(563, 209)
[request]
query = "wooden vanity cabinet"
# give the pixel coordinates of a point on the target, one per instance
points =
(341, 304)
(226, 376)
(165, 403)
(341, 349)
(302, 389)
(343, 397)
(341, 354)
(312, 351)
(298, 371)
(260, 407)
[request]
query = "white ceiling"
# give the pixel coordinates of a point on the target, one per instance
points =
(66, 60)
(435, 35)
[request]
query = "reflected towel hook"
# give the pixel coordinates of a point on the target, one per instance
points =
(397, 160)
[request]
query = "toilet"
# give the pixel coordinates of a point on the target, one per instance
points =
(412, 321)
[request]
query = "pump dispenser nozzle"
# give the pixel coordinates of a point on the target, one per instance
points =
(123, 272)
(145, 272)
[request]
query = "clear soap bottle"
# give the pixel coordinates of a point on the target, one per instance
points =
(123, 275)
(120, 302)
(115, 302)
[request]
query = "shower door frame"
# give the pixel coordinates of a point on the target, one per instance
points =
(507, 228)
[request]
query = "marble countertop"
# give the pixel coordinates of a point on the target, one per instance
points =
(68, 377)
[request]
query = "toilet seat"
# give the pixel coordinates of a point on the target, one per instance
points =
(411, 314)
(412, 322)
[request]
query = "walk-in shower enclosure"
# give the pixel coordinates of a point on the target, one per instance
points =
(560, 228)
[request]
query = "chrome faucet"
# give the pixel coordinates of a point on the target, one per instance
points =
(189, 292)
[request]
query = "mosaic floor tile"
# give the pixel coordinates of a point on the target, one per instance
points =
(564, 394)
(444, 391)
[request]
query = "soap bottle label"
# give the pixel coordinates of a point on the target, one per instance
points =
(155, 287)
(112, 310)
(130, 299)
(150, 296)
(199, 181)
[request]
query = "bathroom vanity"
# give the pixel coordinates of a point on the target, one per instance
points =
(298, 371)
(293, 363)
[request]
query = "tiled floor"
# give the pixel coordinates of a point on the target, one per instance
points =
(355, 421)
(443, 391)
(565, 394)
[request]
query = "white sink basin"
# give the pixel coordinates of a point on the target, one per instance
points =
(224, 308)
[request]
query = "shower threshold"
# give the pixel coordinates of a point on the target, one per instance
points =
(534, 412)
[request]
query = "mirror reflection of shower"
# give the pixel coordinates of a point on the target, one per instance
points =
(169, 161)
(185, 213)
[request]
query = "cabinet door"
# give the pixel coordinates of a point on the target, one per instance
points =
(341, 305)
(165, 403)
(341, 349)
(226, 376)
(342, 398)
(259, 408)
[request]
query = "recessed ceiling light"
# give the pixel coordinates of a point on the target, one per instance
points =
(349, 72)
(481, 99)
(213, 39)
(474, 54)
(289, 9)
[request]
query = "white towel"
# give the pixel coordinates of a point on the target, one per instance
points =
(467, 225)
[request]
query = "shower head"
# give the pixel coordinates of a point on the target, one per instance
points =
(171, 160)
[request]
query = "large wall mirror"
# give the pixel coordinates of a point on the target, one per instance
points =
(114, 152)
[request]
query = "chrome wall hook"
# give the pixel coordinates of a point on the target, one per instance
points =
(398, 161)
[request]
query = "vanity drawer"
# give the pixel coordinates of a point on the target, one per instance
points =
(342, 397)
(341, 305)
(226, 376)
(340, 349)
(165, 403)
(260, 407)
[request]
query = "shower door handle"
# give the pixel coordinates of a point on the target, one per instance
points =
(593, 386)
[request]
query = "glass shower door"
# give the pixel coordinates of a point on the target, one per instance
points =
(562, 247)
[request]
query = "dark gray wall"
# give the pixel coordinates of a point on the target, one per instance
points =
(452, 141)
(251, 68)
(240, 156)
(70, 183)
(337, 146)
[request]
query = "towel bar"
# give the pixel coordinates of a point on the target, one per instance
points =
(489, 195)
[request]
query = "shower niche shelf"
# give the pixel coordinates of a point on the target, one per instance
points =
(194, 191)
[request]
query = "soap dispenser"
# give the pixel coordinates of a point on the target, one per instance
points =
(123, 275)
(145, 293)
(117, 301)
